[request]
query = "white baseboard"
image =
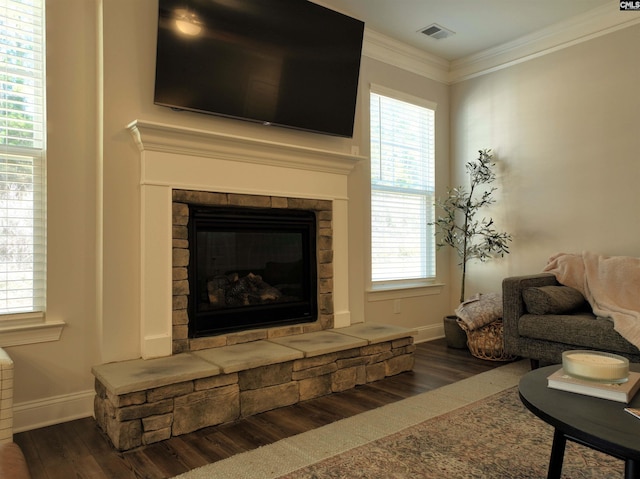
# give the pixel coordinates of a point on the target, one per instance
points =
(54, 410)
(428, 333)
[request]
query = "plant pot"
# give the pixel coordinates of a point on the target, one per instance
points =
(456, 338)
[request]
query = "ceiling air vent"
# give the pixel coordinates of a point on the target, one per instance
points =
(436, 31)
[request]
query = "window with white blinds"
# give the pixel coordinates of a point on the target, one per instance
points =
(22, 160)
(402, 188)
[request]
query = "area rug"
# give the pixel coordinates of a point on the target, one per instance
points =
(442, 433)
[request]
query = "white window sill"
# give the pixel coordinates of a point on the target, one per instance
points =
(385, 292)
(29, 328)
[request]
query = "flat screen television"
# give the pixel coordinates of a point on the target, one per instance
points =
(290, 63)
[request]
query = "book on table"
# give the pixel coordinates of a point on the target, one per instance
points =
(622, 392)
(634, 411)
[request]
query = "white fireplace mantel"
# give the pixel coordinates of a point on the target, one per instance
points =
(160, 137)
(173, 157)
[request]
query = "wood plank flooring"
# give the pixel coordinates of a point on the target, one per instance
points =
(78, 449)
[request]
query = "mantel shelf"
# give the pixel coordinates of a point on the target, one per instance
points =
(160, 137)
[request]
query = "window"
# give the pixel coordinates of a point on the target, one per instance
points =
(22, 161)
(402, 187)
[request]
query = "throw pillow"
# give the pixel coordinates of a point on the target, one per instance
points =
(480, 310)
(552, 299)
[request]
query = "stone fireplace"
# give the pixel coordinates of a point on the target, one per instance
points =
(184, 382)
(236, 171)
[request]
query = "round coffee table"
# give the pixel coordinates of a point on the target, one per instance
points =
(597, 423)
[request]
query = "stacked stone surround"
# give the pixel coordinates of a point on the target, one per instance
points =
(141, 402)
(180, 318)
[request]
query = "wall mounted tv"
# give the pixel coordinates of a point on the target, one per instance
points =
(291, 63)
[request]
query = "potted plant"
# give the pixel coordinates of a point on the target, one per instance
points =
(460, 226)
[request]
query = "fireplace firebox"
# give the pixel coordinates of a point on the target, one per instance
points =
(250, 268)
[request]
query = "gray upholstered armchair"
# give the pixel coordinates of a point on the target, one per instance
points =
(560, 325)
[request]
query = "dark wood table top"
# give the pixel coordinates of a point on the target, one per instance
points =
(600, 423)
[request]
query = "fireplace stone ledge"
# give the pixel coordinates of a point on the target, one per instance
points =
(192, 390)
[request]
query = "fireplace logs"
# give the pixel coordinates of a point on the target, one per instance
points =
(234, 290)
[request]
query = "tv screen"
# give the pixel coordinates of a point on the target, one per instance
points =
(291, 63)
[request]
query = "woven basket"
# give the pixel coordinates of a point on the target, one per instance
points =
(487, 342)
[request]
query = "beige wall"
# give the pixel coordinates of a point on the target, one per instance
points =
(562, 125)
(564, 129)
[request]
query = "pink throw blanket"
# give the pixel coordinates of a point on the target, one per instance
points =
(611, 284)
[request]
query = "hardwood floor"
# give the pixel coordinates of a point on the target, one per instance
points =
(78, 449)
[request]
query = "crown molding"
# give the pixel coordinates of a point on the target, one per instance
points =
(393, 52)
(592, 24)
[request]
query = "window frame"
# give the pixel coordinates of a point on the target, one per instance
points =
(32, 326)
(401, 288)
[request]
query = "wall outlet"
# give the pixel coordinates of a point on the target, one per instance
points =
(397, 306)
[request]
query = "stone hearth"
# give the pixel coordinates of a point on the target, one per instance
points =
(140, 402)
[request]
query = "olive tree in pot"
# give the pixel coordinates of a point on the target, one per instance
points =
(460, 227)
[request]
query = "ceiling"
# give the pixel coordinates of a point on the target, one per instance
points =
(478, 24)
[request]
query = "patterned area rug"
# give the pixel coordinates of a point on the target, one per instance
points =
(476, 428)
(493, 438)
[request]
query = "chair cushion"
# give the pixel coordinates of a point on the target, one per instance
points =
(577, 331)
(553, 299)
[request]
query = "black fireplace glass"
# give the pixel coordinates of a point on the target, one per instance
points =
(250, 268)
